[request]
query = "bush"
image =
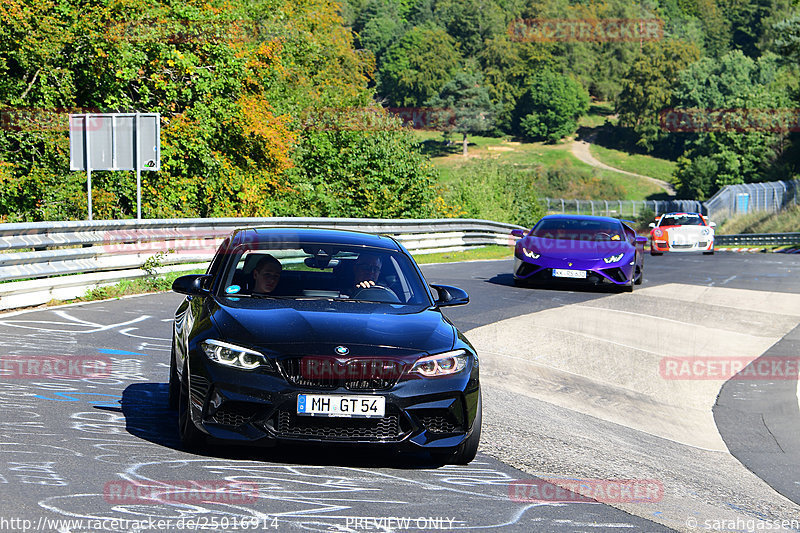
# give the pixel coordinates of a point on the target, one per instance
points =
(497, 192)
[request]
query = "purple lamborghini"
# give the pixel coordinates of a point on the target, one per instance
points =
(576, 248)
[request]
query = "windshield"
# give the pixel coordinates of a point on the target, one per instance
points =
(323, 271)
(578, 229)
(682, 219)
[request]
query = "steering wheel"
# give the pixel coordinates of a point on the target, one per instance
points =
(376, 293)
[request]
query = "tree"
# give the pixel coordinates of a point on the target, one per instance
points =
(373, 168)
(550, 107)
(506, 66)
(416, 67)
(647, 88)
(378, 26)
(724, 153)
(464, 106)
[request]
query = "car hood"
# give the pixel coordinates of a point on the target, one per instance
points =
(317, 327)
(574, 249)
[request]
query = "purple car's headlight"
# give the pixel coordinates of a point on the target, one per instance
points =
(530, 253)
(613, 258)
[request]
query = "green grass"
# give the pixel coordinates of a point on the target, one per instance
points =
(482, 253)
(599, 113)
(786, 221)
(638, 163)
(454, 167)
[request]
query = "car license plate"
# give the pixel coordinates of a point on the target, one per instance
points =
(332, 405)
(566, 273)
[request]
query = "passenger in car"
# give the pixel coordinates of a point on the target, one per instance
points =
(266, 275)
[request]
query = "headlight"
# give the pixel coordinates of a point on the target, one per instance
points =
(232, 355)
(705, 231)
(613, 258)
(442, 364)
(531, 253)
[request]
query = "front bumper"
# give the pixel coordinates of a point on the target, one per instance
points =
(620, 273)
(261, 408)
(660, 245)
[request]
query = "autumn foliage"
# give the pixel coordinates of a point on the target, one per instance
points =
(232, 83)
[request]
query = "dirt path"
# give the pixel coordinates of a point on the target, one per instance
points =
(580, 149)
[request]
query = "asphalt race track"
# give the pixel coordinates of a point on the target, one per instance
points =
(576, 394)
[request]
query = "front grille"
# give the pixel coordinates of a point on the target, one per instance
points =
(379, 429)
(356, 374)
(440, 424)
(235, 413)
(682, 246)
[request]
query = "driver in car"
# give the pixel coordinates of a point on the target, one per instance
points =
(367, 270)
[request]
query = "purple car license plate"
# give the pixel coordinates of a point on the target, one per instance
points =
(566, 273)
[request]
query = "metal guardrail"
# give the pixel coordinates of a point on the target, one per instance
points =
(758, 239)
(61, 260)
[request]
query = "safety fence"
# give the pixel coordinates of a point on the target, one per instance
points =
(752, 197)
(620, 208)
(42, 261)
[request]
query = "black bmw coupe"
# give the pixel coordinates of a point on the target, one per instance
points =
(322, 336)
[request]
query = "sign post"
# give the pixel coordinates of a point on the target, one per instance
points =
(115, 141)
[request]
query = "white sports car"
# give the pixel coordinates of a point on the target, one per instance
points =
(681, 232)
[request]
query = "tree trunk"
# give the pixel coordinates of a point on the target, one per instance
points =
(465, 144)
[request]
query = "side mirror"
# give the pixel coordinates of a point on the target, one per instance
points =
(448, 296)
(640, 239)
(518, 233)
(652, 225)
(192, 285)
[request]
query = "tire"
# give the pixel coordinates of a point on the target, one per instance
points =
(656, 253)
(710, 252)
(191, 437)
(640, 278)
(468, 449)
(174, 381)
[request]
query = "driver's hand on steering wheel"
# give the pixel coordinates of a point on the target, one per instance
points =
(365, 284)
